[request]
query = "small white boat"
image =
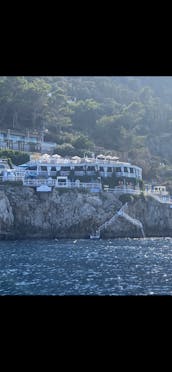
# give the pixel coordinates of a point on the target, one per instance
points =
(95, 236)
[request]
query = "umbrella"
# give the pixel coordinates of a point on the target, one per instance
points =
(76, 158)
(100, 156)
(115, 158)
(56, 156)
(108, 157)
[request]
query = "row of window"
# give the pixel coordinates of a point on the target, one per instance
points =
(14, 138)
(89, 168)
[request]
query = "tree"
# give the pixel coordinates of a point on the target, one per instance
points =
(66, 149)
(82, 142)
(16, 157)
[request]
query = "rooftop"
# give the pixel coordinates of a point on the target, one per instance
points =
(75, 160)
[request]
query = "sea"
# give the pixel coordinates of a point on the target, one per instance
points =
(112, 267)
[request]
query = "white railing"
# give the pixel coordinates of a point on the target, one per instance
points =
(119, 190)
(162, 198)
(80, 185)
(38, 182)
(79, 173)
(12, 178)
(68, 184)
(90, 185)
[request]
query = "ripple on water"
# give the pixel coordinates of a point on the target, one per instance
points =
(84, 267)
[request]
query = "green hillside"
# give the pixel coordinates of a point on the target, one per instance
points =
(130, 117)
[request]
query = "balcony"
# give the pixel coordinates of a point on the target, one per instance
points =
(79, 173)
(65, 173)
(53, 173)
(90, 173)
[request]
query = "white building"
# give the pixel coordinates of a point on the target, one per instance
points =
(55, 165)
(14, 140)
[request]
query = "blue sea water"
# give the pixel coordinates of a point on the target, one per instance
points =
(117, 267)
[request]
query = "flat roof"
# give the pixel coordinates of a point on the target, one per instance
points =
(59, 161)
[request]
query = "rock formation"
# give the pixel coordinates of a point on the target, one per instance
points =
(25, 213)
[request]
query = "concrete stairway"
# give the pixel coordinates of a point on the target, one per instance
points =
(123, 214)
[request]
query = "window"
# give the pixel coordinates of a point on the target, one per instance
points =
(62, 180)
(65, 168)
(43, 168)
(53, 169)
(118, 169)
(109, 169)
(32, 168)
(79, 169)
(125, 169)
(131, 170)
(90, 168)
(101, 169)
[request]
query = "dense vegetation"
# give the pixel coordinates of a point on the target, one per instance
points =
(14, 157)
(127, 116)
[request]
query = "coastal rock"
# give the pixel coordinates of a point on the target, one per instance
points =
(155, 216)
(25, 213)
(6, 214)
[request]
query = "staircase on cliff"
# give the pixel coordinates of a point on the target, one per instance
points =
(122, 213)
(134, 221)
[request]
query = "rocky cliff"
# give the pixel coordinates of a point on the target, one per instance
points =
(25, 213)
(156, 217)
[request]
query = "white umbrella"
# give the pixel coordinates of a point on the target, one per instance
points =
(100, 156)
(45, 156)
(108, 157)
(115, 158)
(56, 156)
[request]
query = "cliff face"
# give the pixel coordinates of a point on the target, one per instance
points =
(25, 213)
(6, 214)
(156, 217)
(57, 214)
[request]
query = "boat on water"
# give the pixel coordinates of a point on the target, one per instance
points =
(95, 236)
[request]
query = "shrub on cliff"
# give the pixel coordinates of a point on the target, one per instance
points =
(125, 198)
(16, 157)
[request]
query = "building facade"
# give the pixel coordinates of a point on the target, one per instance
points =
(24, 142)
(110, 172)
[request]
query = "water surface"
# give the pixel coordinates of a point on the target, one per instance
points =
(86, 267)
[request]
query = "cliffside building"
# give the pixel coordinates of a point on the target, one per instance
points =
(14, 140)
(105, 171)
